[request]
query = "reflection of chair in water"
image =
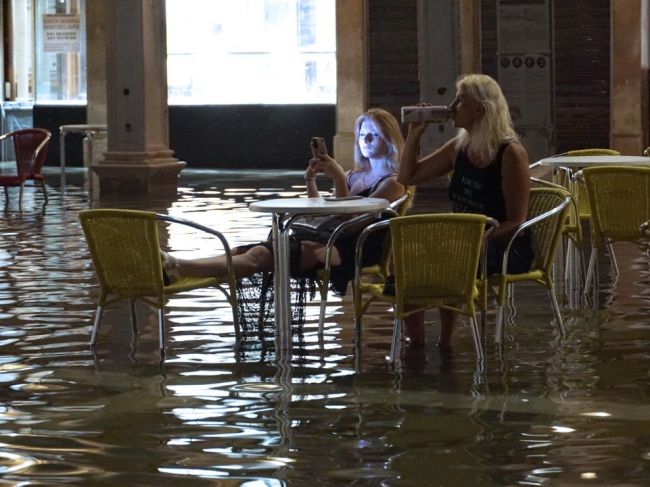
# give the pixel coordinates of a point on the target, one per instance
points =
(547, 211)
(125, 252)
(620, 206)
(435, 262)
(30, 148)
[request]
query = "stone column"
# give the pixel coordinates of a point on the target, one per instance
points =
(469, 19)
(138, 159)
(351, 96)
(96, 81)
(629, 31)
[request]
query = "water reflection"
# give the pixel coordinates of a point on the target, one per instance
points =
(548, 411)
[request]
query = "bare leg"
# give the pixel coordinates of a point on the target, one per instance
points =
(414, 325)
(313, 253)
(255, 259)
(248, 261)
(447, 323)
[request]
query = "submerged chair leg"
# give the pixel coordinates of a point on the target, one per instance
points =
(266, 284)
(612, 256)
(396, 343)
(498, 334)
(591, 269)
(98, 318)
(235, 315)
(44, 191)
(476, 335)
(323, 288)
(134, 316)
(556, 310)
(323, 307)
(161, 330)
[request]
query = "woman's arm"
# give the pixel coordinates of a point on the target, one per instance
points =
(310, 179)
(332, 169)
(515, 184)
(413, 171)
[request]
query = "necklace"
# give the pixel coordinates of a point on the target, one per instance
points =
(374, 176)
(373, 180)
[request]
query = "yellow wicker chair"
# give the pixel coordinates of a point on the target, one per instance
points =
(583, 201)
(379, 271)
(581, 212)
(125, 253)
(435, 262)
(547, 211)
(620, 205)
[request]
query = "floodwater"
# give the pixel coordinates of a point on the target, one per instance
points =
(545, 412)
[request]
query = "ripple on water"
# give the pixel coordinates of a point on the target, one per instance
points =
(547, 410)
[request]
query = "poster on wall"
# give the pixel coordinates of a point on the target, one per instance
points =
(61, 33)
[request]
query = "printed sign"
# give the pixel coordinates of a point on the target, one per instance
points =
(61, 33)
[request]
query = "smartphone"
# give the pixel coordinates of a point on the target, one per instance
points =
(318, 146)
(342, 198)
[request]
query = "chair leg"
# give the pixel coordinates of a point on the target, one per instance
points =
(20, 196)
(502, 301)
(323, 288)
(6, 195)
(161, 330)
(612, 256)
(590, 269)
(498, 334)
(266, 283)
(134, 317)
(556, 310)
(44, 191)
(323, 306)
(483, 327)
(396, 342)
(476, 335)
(232, 299)
(98, 318)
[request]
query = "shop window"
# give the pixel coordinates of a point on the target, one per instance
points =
(46, 59)
(219, 51)
(251, 51)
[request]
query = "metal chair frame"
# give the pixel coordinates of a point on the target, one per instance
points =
(156, 296)
(26, 170)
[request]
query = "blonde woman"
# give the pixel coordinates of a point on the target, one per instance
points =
(377, 152)
(490, 176)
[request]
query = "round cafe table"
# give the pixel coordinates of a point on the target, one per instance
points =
(284, 211)
(574, 162)
(571, 165)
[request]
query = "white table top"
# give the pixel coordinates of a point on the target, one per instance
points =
(584, 161)
(318, 206)
(83, 128)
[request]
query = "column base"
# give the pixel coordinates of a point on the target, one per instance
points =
(138, 173)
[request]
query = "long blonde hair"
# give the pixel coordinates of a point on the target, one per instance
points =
(494, 127)
(389, 130)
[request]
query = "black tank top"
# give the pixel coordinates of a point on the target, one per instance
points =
(478, 190)
(367, 191)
